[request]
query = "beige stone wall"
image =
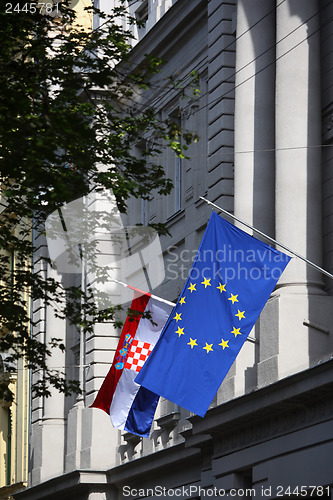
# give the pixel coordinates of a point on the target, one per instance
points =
(84, 18)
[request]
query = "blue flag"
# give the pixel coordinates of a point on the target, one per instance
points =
(230, 281)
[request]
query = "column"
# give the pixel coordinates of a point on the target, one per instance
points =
(297, 319)
(254, 114)
(52, 445)
(254, 144)
(92, 441)
(298, 133)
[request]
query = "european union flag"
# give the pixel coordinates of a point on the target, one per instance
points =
(230, 281)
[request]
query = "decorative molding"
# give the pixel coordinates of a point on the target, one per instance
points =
(169, 420)
(128, 450)
(290, 405)
(270, 428)
(167, 424)
(175, 217)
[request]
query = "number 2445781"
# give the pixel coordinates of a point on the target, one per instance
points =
(41, 7)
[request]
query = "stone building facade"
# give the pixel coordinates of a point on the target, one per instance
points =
(264, 117)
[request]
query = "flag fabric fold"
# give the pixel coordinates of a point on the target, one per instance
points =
(230, 281)
(130, 406)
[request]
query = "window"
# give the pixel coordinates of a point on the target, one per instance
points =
(141, 15)
(178, 183)
(144, 212)
(175, 165)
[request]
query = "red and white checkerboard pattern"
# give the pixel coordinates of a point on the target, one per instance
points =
(137, 355)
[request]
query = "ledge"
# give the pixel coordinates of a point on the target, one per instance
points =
(9, 490)
(177, 216)
(286, 395)
(66, 486)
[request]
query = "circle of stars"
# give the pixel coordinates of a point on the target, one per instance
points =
(233, 298)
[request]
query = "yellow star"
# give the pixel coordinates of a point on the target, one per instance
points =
(224, 343)
(182, 301)
(178, 317)
(192, 342)
(180, 331)
(192, 287)
(208, 347)
(206, 282)
(221, 288)
(240, 314)
(236, 331)
(233, 298)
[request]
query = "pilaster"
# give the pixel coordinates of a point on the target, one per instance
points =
(49, 433)
(297, 320)
(254, 143)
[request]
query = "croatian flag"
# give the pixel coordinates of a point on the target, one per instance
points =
(130, 406)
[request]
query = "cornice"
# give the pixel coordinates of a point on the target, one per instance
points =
(294, 402)
(65, 486)
(144, 467)
(174, 25)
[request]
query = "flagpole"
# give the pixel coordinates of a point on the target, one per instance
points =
(272, 240)
(249, 339)
(152, 296)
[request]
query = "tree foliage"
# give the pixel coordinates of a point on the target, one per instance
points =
(69, 118)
